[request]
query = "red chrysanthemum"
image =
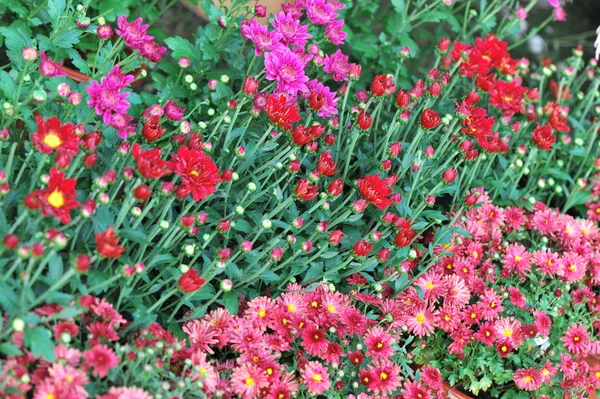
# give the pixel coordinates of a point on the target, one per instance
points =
(280, 112)
(107, 244)
(58, 199)
(53, 136)
(508, 96)
(190, 281)
(199, 173)
(542, 137)
(306, 191)
(376, 191)
(149, 163)
(152, 129)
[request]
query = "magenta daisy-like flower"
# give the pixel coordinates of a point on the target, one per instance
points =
(259, 34)
(292, 33)
(316, 378)
(577, 340)
(314, 340)
(421, 322)
(379, 343)
(321, 99)
(320, 12)
(106, 97)
(284, 67)
(247, 381)
(134, 32)
(517, 258)
(337, 65)
(334, 32)
(527, 379)
(508, 329)
(573, 266)
(100, 359)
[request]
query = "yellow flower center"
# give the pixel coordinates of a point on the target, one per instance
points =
(383, 376)
(314, 304)
(572, 267)
(527, 378)
(270, 371)
(504, 348)
(50, 396)
(262, 313)
(202, 371)
(56, 199)
(380, 345)
(420, 318)
(475, 254)
(576, 339)
(291, 308)
(569, 230)
(545, 372)
(69, 378)
(194, 173)
(331, 309)
(317, 377)
(507, 332)
(249, 381)
(518, 258)
(52, 140)
(430, 286)
(473, 315)
(447, 317)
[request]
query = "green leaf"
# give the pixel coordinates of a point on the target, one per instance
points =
(182, 48)
(399, 6)
(315, 270)
(231, 302)
(134, 235)
(8, 300)
(7, 85)
(10, 349)
(39, 341)
(55, 267)
(268, 276)
(56, 9)
(67, 39)
(79, 62)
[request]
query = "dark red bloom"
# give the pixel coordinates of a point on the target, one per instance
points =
(443, 45)
(383, 84)
(335, 187)
(558, 122)
(362, 248)
(404, 237)
(92, 140)
(301, 135)
(142, 192)
(335, 237)
(90, 160)
(10, 241)
(565, 93)
(306, 191)
(430, 119)
(58, 199)
(326, 166)
(364, 121)
(508, 96)
(542, 137)
(152, 129)
(82, 263)
(52, 136)
(402, 99)
(376, 191)
(280, 112)
(107, 244)
(198, 171)
(190, 281)
(149, 163)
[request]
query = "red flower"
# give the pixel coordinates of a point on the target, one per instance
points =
(383, 84)
(52, 136)
(542, 137)
(152, 130)
(402, 99)
(326, 166)
(149, 163)
(280, 112)
(190, 281)
(107, 244)
(376, 191)
(449, 175)
(58, 199)
(443, 45)
(335, 187)
(198, 171)
(362, 248)
(142, 192)
(301, 135)
(364, 121)
(250, 85)
(558, 122)
(565, 93)
(100, 358)
(10, 241)
(430, 119)
(92, 140)
(306, 191)
(508, 96)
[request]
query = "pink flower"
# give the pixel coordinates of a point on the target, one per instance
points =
(528, 379)
(106, 97)
(516, 297)
(320, 12)
(247, 381)
(560, 14)
(548, 262)
(314, 339)
(554, 3)
(152, 51)
(379, 343)
(125, 393)
(173, 111)
(100, 358)
(134, 33)
(292, 33)
(321, 99)
(517, 257)
(337, 65)
(542, 323)
(508, 328)
(316, 378)
(577, 340)
(259, 34)
(421, 321)
(207, 373)
(335, 33)
(573, 266)
(50, 68)
(521, 13)
(287, 69)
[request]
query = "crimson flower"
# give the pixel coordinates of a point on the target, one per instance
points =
(362, 248)
(430, 119)
(190, 281)
(152, 129)
(107, 244)
(449, 175)
(198, 171)
(376, 191)
(306, 191)
(53, 136)
(383, 84)
(58, 199)
(335, 187)
(301, 135)
(149, 163)
(402, 99)
(326, 166)
(364, 121)
(542, 137)
(280, 112)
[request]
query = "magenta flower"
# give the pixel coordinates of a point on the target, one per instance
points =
(152, 51)
(50, 68)
(554, 3)
(335, 33)
(292, 33)
(560, 14)
(320, 12)
(287, 69)
(321, 99)
(106, 97)
(259, 34)
(134, 33)
(337, 65)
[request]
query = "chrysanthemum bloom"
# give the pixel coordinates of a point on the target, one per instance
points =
(280, 112)
(107, 244)
(527, 379)
(386, 376)
(149, 163)
(543, 138)
(430, 119)
(383, 84)
(100, 359)
(292, 33)
(321, 12)
(517, 258)
(190, 281)
(577, 340)
(306, 191)
(375, 190)
(421, 321)
(321, 99)
(364, 121)
(335, 32)
(326, 166)
(508, 329)
(259, 34)
(415, 390)
(508, 96)
(314, 340)
(336, 64)
(134, 32)
(378, 343)
(58, 199)
(199, 173)
(53, 136)
(247, 381)
(49, 68)
(516, 297)
(284, 67)
(316, 378)
(173, 111)
(106, 97)
(574, 266)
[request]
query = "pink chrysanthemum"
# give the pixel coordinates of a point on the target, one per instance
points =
(320, 12)
(106, 97)
(292, 33)
(284, 67)
(516, 297)
(205, 372)
(321, 99)
(528, 379)
(517, 258)
(432, 285)
(490, 304)
(314, 339)
(201, 335)
(316, 378)
(548, 262)
(134, 32)
(508, 329)
(573, 266)
(415, 390)
(576, 340)
(542, 322)
(379, 343)
(100, 359)
(421, 322)
(337, 65)
(458, 294)
(247, 381)
(334, 32)
(259, 34)
(386, 375)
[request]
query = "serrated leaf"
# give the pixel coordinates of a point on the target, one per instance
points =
(67, 39)
(9, 349)
(182, 48)
(7, 85)
(231, 302)
(56, 9)
(79, 62)
(39, 341)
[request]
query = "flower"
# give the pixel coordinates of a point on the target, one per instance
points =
(306, 191)
(48, 67)
(190, 281)
(149, 163)
(173, 111)
(449, 175)
(106, 97)
(337, 65)
(259, 34)
(100, 358)
(247, 381)
(58, 199)
(292, 33)
(362, 248)
(198, 171)
(321, 99)
(53, 136)
(335, 32)
(316, 378)
(364, 121)
(527, 379)
(326, 166)
(376, 191)
(576, 340)
(134, 32)
(152, 129)
(280, 112)
(421, 322)
(107, 244)
(284, 67)
(542, 137)
(379, 343)
(430, 119)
